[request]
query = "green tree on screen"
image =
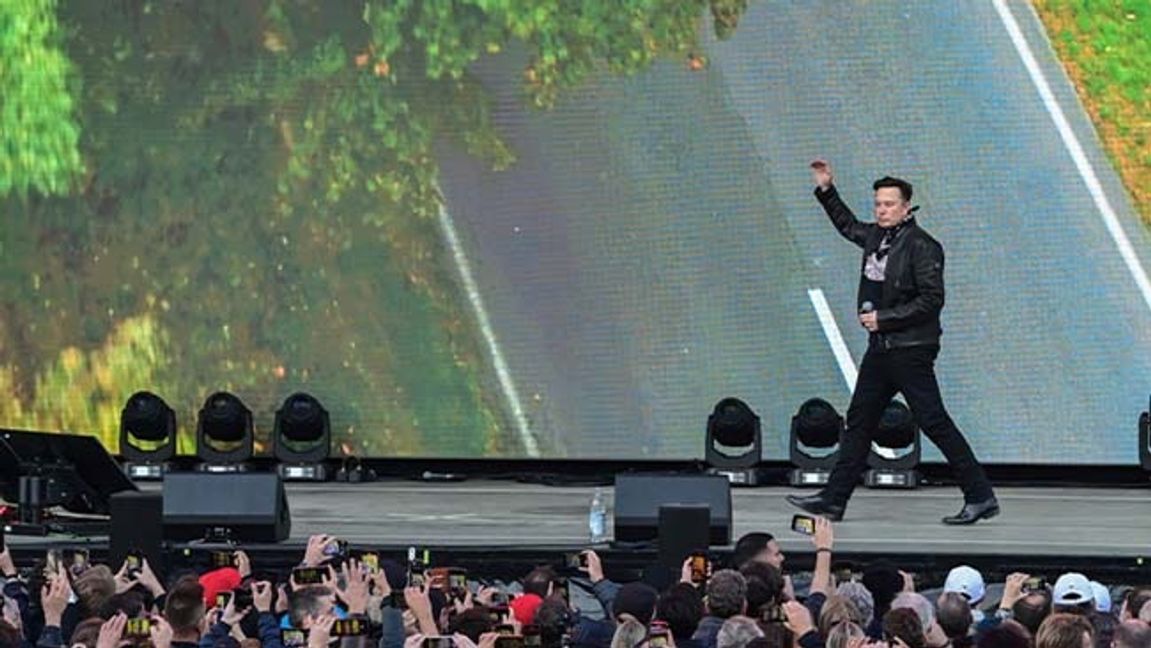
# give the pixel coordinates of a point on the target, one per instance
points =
(261, 182)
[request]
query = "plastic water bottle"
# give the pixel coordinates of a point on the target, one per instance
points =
(597, 517)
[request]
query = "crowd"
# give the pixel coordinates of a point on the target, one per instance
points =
(359, 599)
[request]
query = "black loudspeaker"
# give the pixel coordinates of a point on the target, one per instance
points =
(250, 507)
(137, 526)
(638, 499)
(683, 528)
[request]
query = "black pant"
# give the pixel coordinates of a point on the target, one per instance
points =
(910, 371)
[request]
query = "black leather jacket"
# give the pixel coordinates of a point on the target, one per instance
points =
(908, 313)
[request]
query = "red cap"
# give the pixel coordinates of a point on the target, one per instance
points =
(525, 606)
(224, 579)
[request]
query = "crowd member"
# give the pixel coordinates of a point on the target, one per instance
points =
(1065, 630)
(726, 597)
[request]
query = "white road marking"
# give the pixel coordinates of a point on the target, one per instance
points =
(842, 355)
(531, 448)
(1071, 142)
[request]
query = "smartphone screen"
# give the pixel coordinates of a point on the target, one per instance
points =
(223, 599)
(349, 628)
(371, 561)
(804, 524)
(138, 628)
(699, 564)
(222, 559)
(510, 641)
(308, 575)
(293, 638)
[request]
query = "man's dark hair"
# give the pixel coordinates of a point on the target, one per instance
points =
(764, 586)
(471, 623)
(1031, 610)
(1132, 634)
(726, 593)
(539, 580)
(904, 623)
(681, 607)
(306, 602)
(554, 619)
(953, 614)
(1104, 625)
(184, 606)
(888, 181)
(748, 547)
(1008, 634)
(1135, 601)
(130, 602)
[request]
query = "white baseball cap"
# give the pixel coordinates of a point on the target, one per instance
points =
(1102, 597)
(1072, 589)
(966, 581)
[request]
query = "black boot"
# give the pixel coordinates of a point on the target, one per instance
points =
(818, 505)
(972, 513)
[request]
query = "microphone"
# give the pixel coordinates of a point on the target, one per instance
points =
(866, 307)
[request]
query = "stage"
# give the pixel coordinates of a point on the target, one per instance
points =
(501, 526)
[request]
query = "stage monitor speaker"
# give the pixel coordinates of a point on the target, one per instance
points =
(137, 525)
(248, 507)
(638, 499)
(683, 529)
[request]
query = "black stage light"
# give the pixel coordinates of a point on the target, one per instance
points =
(302, 438)
(816, 425)
(895, 453)
(734, 444)
(147, 435)
(224, 434)
(1145, 438)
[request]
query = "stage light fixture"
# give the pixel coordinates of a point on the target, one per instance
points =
(302, 438)
(734, 444)
(815, 426)
(895, 453)
(224, 434)
(147, 435)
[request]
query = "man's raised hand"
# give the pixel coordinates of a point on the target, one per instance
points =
(821, 173)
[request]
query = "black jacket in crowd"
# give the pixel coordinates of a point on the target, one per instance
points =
(908, 313)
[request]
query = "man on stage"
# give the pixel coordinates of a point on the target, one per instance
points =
(900, 297)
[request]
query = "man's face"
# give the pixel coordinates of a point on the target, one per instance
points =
(771, 555)
(890, 207)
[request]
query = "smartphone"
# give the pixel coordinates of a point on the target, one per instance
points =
(657, 634)
(138, 628)
(804, 524)
(437, 642)
(223, 599)
(575, 560)
(223, 559)
(309, 575)
(52, 561)
(350, 628)
(774, 614)
(501, 601)
(336, 548)
(1034, 584)
(293, 638)
(76, 560)
(505, 630)
(458, 582)
(700, 566)
(134, 561)
(371, 561)
(510, 641)
(532, 636)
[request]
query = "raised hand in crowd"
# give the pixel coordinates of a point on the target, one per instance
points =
(161, 632)
(111, 631)
(421, 607)
(320, 634)
(1013, 590)
(315, 554)
(262, 596)
(54, 597)
(594, 568)
(281, 599)
(354, 589)
(243, 563)
(799, 619)
(7, 566)
(485, 595)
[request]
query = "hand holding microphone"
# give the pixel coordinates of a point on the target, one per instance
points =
(867, 316)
